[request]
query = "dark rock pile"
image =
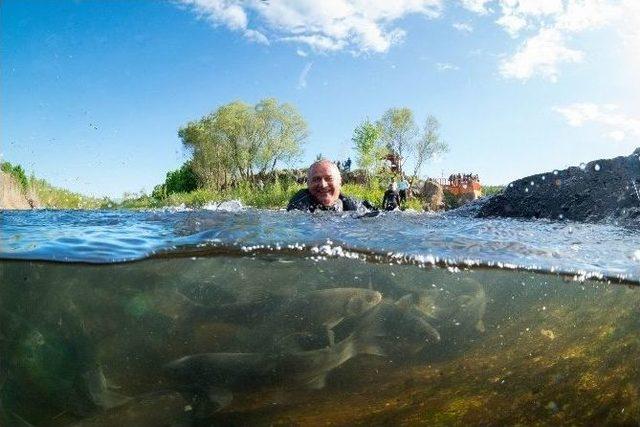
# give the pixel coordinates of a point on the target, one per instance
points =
(607, 189)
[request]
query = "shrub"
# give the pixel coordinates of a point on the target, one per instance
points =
(17, 172)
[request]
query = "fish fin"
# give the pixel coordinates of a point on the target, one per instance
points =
(109, 399)
(364, 340)
(370, 348)
(331, 337)
(317, 382)
(98, 388)
(207, 401)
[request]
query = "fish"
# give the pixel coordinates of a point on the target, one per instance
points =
(210, 379)
(323, 309)
(473, 307)
(302, 322)
(401, 327)
(59, 362)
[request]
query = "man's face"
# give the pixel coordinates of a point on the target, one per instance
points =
(324, 183)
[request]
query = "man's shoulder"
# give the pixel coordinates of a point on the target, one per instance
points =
(352, 204)
(300, 201)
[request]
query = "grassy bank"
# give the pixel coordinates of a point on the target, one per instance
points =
(53, 197)
(273, 196)
(270, 197)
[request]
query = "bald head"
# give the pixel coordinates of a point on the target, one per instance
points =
(324, 182)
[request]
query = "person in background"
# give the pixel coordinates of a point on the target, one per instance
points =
(391, 199)
(323, 191)
(347, 165)
(403, 191)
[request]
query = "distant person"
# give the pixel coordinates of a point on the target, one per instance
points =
(403, 190)
(347, 165)
(391, 199)
(324, 183)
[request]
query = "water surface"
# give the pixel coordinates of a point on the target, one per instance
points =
(321, 319)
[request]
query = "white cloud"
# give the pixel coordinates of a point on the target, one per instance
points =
(301, 53)
(581, 15)
(256, 36)
(445, 66)
(327, 25)
(618, 125)
(541, 55)
(477, 6)
(463, 27)
(554, 24)
(220, 12)
(302, 79)
(512, 24)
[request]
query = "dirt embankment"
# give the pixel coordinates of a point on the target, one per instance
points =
(12, 195)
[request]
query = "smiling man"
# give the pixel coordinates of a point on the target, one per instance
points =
(323, 191)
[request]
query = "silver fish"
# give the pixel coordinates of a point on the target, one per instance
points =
(324, 309)
(213, 377)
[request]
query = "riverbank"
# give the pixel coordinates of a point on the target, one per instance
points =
(22, 192)
(271, 196)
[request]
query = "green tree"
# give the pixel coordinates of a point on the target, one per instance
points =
(399, 132)
(429, 145)
(238, 141)
(369, 147)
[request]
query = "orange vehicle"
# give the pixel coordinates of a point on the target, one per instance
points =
(462, 185)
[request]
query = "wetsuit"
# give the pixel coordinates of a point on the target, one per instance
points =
(304, 201)
(391, 200)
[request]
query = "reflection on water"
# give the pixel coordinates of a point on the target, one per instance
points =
(283, 340)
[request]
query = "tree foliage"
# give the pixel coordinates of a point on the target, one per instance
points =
(181, 180)
(369, 147)
(429, 144)
(239, 141)
(399, 132)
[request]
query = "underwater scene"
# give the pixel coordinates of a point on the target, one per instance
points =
(209, 325)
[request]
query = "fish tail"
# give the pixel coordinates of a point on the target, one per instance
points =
(365, 341)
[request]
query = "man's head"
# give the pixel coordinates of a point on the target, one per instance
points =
(324, 182)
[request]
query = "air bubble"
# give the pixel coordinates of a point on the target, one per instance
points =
(583, 166)
(596, 167)
(526, 190)
(555, 172)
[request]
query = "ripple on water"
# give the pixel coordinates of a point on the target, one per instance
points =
(113, 236)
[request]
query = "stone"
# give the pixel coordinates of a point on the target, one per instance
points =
(432, 195)
(601, 190)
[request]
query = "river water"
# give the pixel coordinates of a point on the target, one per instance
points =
(236, 316)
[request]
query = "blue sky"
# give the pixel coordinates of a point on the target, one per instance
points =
(93, 92)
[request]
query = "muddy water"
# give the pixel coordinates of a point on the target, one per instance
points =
(308, 341)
